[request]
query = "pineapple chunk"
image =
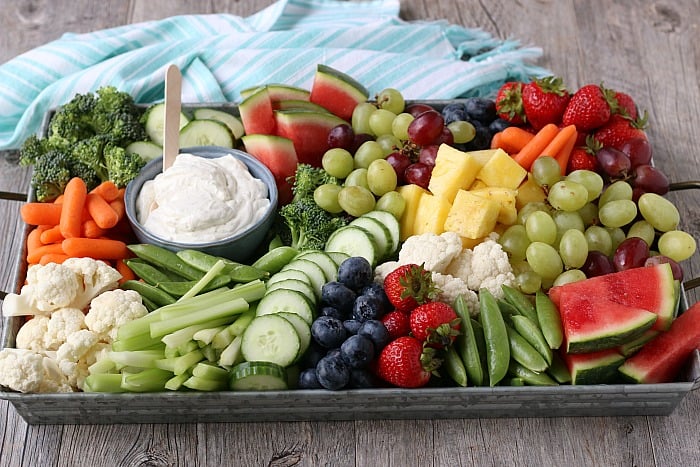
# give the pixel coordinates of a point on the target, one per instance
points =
(501, 170)
(472, 216)
(411, 194)
(477, 185)
(529, 192)
(431, 214)
(482, 156)
(505, 197)
(453, 170)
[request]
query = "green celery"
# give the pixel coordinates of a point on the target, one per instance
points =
(250, 292)
(187, 347)
(237, 327)
(206, 336)
(176, 382)
(137, 342)
(182, 336)
(231, 354)
(181, 364)
(103, 382)
(136, 358)
(201, 283)
(101, 366)
(204, 384)
(151, 380)
(210, 371)
(210, 353)
(223, 310)
(222, 339)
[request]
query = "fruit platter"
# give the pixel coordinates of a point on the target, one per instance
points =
(512, 256)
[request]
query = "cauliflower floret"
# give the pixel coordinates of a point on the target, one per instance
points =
(451, 287)
(111, 309)
(48, 288)
(486, 266)
(31, 336)
(435, 252)
(31, 372)
(72, 356)
(383, 270)
(62, 324)
(97, 277)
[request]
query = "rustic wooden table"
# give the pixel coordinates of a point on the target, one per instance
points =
(646, 48)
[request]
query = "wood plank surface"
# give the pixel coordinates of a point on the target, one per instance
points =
(646, 48)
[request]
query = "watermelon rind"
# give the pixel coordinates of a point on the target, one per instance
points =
(278, 155)
(278, 92)
(298, 104)
(309, 132)
(594, 367)
(629, 348)
(257, 114)
(337, 91)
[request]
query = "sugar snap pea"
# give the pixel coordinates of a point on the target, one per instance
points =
(495, 337)
(516, 381)
(558, 370)
(481, 345)
(238, 272)
(148, 272)
(533, 334)
(506, 308)
(530, 377)
(522, 352)
(150, 292)
(275, 259)
(165, 259)
(455, 367)
(549, 319)
(520, 301)
(466, 344)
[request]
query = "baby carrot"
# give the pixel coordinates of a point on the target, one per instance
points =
(513, 139)
(52, 235)
(496, 140)
(41, 213)
(124, 270)
(108, 190)
(101, 211)
(559, 141)
(35, 255)
(565, 153)
(90, 229)
(119, 207)
(533, 149)
(34, 239)
(74, 197)
(59, 199)
(99, 248)
(53, 258)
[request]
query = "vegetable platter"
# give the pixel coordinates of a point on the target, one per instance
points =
(266, 400)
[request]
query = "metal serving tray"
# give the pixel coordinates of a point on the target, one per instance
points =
(358, 404)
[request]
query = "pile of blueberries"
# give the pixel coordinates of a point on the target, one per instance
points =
(481, 113)
(347, 335)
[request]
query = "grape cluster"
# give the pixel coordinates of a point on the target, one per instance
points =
(632, 163)
(585, 229)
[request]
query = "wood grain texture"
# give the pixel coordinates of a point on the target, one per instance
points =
(646, 48)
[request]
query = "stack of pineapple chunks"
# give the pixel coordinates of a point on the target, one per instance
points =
(470, 193)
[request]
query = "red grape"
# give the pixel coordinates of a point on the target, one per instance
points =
(417, 109)
(428, 154)
(638, 150)
(650, 179)
(660, 259)
(341, 136)
(597, 264)
(446, 137)
(426, 128)
(418, 174)
(358, 140)
(399, 161)
(631, 253)
(613, 162)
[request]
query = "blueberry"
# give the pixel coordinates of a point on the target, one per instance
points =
(328, 331)
(332, 372)
(334, 312)
(482, 139)
(312, 355)
(335, 353)
(338, 295)
(352, 325)
(481, 109)
(498, 125)
(355, 272)
(367, 307)
(357, 351)
(375, 289)
(361, 378)
(308, 379)
(453, 113)
(375, 331)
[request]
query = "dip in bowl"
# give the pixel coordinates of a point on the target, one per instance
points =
(220, 201)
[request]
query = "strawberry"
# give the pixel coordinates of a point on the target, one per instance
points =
(509, 103)
(620, 129)
(406, 363)
(409, 286)
(544, 101)
(435, 323)
(589, 108)
(583, 155)
(625, 105)
(397, 323)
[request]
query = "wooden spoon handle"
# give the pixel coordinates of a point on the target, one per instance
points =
(171, 130)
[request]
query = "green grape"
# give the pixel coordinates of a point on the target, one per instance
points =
(326, 196)
(392, 100)
(544, 260)
(677, 245)
(643, 230)
(380, 121)
(617, 190)
(462, 132)
(566, 277)
(589, 214)
(598, 239)
(356, 200)
(566, 220)
(528, 282)
(540, 227)
(617, 235)
(357, 177)
(617, 213)
(338, 162)
(399, 127)
(389, 143)
(659, 212)
(381, 177)
(573, 248)
(546, 171)
(367, 152)
(567, 195)
(514, 241)
(360, 118)
(520, 266)
(591, 180)
(529, 208)
(392, 202)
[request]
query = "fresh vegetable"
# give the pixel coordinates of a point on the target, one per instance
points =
(495, 337)
(535, 147)
(512, 139)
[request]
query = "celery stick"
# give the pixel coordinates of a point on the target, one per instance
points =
(103, 382)
(210, 371)
(176, 382)
(231, 354)
(210, 353)
(181, 364)
(204, 384)
(137, 342)
(187, 347)
(171, 352)
(201, 283)
(182, 336)
(223, 310)
(237, 327)
(206, 336)
(250, 292)
(136, 358)
(103, 365)
(151, 380)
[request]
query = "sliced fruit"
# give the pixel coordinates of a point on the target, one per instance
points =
(270, 338)
(382, 236)
(285, 92)
(296, 104)
(256, 113)
(312, 270)
(323, 260)
(388, 220)
(337, 91)
(278, 155)
(594, 367)
(308, 131)
(297, 285)
(285, 300)
(354, 241)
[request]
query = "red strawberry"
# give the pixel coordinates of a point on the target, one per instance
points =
(509, 103)
(405, 363)
(625, 105)
(589, 108)
(620, 129)
(435, 323)
(397, 323)
(581, 159)
(409, 286)
(544, 101)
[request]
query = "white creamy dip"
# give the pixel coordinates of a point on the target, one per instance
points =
(200, 200)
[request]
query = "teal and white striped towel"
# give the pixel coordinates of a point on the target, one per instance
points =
(221, 54)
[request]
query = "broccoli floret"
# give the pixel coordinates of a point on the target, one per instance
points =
(54, 169)
(307, 178)
(32, 149)
(122, 167)
(309, 225)
(90, 152)
(72, 122)
(116, 115)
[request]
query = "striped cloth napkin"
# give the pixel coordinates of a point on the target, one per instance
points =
(221, 54)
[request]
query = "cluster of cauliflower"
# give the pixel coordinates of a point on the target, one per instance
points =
(76, 308)
(456, 270)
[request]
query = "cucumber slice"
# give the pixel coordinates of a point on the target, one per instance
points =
(311, 269)
(206, 133)
(303, 330)
(155, 122)
(258, 376)
(231, 121)
(381, 234)
(354, 241)
(388, 220)
(281, 300)
(337, 256)
(293, 284)
(325, 262)
(293, 274)
(270, 338)
(148, 150)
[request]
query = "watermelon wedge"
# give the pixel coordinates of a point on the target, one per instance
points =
(279, 156)
(308, 131)
(256, 113)
(278, 92)
(662, 358)
(337, 91)
(594, 367)
(296, 104)
(650, 288)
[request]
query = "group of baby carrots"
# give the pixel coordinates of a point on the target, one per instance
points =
(79, 223)
(525, 146)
